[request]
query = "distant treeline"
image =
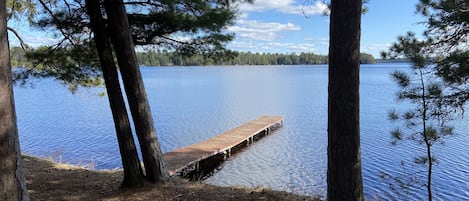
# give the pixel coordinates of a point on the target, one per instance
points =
(163, 58)
(18, 57)
(159, 58)
(398, 60)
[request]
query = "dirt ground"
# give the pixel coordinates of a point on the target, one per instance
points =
(47, 180)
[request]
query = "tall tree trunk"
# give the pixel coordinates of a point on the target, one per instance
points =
(344, 178)
(133, 174)
(121, 39)
(12, 182)
(428, 145)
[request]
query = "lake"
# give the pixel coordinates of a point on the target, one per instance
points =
(191, 104)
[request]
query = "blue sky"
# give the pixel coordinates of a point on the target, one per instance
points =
(286, 26)
(281, 26)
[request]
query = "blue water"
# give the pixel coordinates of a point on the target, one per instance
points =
(191, 104)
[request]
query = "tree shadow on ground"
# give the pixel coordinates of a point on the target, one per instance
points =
(47, 180)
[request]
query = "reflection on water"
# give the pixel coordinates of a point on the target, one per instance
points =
(191, 104)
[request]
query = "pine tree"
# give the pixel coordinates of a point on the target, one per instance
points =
(344, 176)
(12, 181)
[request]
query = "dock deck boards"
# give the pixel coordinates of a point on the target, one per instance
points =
(178, 159)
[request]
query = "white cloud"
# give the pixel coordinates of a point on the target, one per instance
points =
(316, 39)
(264, 31)
(274, 47)
(318, 8)
(31, 40)
(243, 15)
(262, 5)
(375, 49)
(285, 6)
(317, 46)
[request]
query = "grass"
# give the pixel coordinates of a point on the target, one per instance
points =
(48, 180)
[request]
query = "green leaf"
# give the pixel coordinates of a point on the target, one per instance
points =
(446, 131)
(392, 115)
(434, 90)
(409, 115)
(431, 134)
(402, 78)
(396, 135)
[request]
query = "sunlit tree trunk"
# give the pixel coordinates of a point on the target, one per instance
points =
(133, 174)
(344, 178)
(12, 181)
(121, 39)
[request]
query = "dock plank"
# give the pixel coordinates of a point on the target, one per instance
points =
(179, 159)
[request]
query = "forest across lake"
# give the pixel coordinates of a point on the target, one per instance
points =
(165, 58)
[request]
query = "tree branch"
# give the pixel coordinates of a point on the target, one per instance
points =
(24, 46)
(142, 3)
(174, 40)
(51, 13)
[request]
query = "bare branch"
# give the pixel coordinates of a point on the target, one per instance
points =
(24, 46)
(174, 40)
(142, 3)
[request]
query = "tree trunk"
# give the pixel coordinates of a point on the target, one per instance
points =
(425, 134)
(133, 174)
(429, 173)
(344, 178)
(12, 182)
(121, 39)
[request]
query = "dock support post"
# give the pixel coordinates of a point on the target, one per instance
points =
(227, 154)
(250, 141)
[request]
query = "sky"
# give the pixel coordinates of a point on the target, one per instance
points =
(286, 26)
(294, 26)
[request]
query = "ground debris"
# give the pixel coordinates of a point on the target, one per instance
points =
(47, 180)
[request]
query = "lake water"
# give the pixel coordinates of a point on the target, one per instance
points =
(191, 104)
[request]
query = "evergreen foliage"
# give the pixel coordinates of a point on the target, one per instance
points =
(426, 122)
(165, 58)
(446, 39)
(186, 27)
(438, 87)
(73, 67)
(19, 8)
(18, 57)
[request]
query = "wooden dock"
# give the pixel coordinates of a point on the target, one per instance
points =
(183, 161)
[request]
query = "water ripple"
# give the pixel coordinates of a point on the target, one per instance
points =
(194, 104)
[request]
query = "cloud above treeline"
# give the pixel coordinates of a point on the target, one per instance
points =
(273, 47)
(264, 31)
(307, 7)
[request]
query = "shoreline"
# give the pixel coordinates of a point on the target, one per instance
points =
(47, 180)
